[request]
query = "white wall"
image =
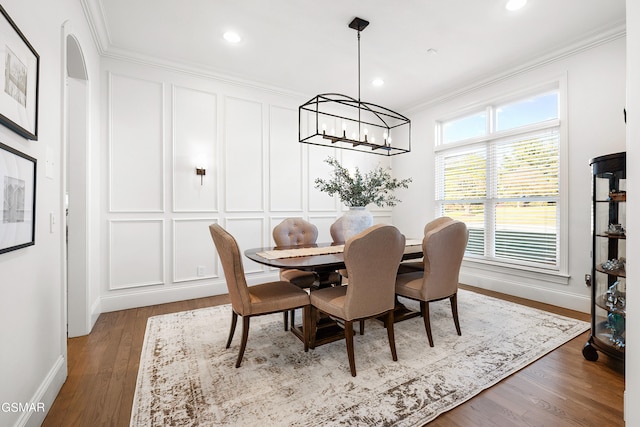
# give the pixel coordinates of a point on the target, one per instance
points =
(32, 295)
(595, 92)
(159, 125)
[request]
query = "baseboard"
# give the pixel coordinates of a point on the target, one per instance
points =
(143, 297)
(45, 395)
(94, 313)
(555, 297)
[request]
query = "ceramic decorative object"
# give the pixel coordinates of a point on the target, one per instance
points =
(356, 220)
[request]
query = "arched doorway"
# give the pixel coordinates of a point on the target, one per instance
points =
(76, 183)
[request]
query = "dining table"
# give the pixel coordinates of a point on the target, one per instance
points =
(323, 259)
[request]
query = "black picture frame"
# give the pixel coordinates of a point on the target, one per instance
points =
(17, 199)
(19, 80)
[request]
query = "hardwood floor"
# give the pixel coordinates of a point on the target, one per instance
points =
(560, 389)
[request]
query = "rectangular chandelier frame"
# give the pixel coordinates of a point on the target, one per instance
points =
(362, 126)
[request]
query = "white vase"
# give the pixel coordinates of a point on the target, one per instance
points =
(355, 220)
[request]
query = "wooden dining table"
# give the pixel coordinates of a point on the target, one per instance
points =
(324, 258)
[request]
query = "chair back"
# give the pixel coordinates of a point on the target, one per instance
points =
(295, 231)
(443, 247)
(229, 254)
(337, 234)
(432, 225)
(372, 258)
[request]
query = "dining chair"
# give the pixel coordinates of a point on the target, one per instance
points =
(443, 247)
(372, 259)
(410, 266)
(337, 236)
(294, 232)
(248, 301)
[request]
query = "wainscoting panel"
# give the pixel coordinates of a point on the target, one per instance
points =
(194, 146)
(285, 161)
(323, 222)
(195, 256)
(136, 144)
(244, 186)
(318, 168)
(136, 253)
(249, 233)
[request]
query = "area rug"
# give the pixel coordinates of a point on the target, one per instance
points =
(187, 377)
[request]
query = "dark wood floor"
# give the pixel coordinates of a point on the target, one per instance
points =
(560, 389)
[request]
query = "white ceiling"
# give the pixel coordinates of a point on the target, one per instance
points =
(306, 46)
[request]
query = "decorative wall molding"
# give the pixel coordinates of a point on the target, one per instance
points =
(284, 149)
(195, 144)
(135, 157)
(136, 256)
(201, 255)
(244, 155)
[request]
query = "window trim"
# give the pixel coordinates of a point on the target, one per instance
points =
(556, 83)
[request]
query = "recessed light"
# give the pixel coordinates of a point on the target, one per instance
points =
(515, 4)
(377, 82)
(232, 37)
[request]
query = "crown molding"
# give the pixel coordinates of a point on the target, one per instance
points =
(195, 71)
(594, 40)
(94, 14)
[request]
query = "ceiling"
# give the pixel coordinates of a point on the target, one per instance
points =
(306, 46)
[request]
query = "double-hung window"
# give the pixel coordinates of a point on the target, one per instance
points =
(498, 170)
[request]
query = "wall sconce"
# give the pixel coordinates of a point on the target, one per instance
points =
(201, 172)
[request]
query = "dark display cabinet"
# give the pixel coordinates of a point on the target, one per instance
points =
(608, 273)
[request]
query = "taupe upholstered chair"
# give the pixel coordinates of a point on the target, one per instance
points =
(293, 232)
(443, 247)
(372, 259)
(411, 266)
(337, 235)
(265, 298)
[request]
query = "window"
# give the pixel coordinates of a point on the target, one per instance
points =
(502, 178)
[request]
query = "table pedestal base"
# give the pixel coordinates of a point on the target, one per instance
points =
(327, 330)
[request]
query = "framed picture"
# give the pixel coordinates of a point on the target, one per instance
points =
(19, 72)
(17, 199)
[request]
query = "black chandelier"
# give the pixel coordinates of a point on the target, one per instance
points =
(340, 121)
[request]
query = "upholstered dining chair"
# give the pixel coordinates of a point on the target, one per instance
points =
(293, 232)
(337, 236)
(443, 247)
(410, 266)
(372, 259)
(265, 298)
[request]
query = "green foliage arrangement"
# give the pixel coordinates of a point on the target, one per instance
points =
(375, 186)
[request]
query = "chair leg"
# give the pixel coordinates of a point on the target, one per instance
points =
(361, 326)
(348, 336)
(245, 335)
(234, 321)
(424, 309)
(293, 319)
(306, 325)
(285, 315)
(390, 334)
(454, 311)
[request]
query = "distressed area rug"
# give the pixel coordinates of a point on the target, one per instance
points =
(187, 377)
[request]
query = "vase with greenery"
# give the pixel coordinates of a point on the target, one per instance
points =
(358, 190)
